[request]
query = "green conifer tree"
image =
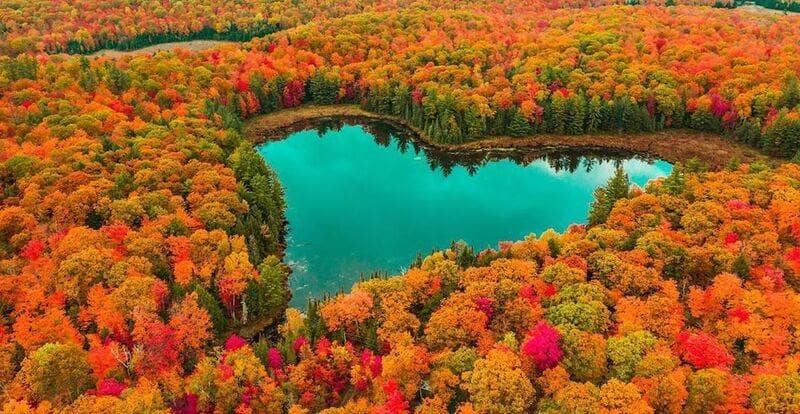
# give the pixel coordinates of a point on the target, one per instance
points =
(267, 295)
(594, 115)
(323, 88)
(617, 188)
(576, 115)
(675, 181)
(557, 114)
(518, 126)
(475, 124)
(214, 309)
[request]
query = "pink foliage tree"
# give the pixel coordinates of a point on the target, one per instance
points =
(541, 345)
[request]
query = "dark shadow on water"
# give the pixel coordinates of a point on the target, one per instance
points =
(385, 134)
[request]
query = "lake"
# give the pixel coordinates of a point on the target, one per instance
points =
(365, 198)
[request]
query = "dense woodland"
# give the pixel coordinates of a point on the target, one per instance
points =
(462, 76)
(81, 26)
(141, 235)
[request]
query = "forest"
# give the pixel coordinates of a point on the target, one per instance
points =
(142, 236)
(82, 26)
(467, 75)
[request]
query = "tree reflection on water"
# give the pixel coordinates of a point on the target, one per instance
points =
(560, 159)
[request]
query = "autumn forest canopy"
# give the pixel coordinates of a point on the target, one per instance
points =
(142, 236)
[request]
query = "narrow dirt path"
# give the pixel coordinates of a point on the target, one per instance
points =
(191, 45)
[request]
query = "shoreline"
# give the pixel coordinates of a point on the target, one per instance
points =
(672, 145)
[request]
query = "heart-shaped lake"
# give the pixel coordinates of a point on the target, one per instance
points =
(364, 198)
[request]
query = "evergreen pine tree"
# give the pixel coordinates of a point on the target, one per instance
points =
(417, 113)
(676, 181)
(475, 124)
(790, 97)
(368, 334)
(749, 132)
(741, 267)
(704, 120)
(314, 326)
(323, 88)
(608, 116)
(267, 295)
(453, 130)
(263, 192)
(273, 93)
(206, 300)
(627, 116)
(558, 113)
(576, 115)
(118, 80)
(256, 84)
(401, 101)
(430, 116)
(593, 115)
(518, 126)
(644, 122)
(465, 255)
(733, 164)
(782, 137)
(88, 78)
(498, 124)
(617, 188)
(554, 247)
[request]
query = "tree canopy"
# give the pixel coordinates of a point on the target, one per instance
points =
(141, 235)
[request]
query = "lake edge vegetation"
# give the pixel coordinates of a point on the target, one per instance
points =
(675, 146)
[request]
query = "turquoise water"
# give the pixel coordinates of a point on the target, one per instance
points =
(358, 204)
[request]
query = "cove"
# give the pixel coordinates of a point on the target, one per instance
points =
(366, 198)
